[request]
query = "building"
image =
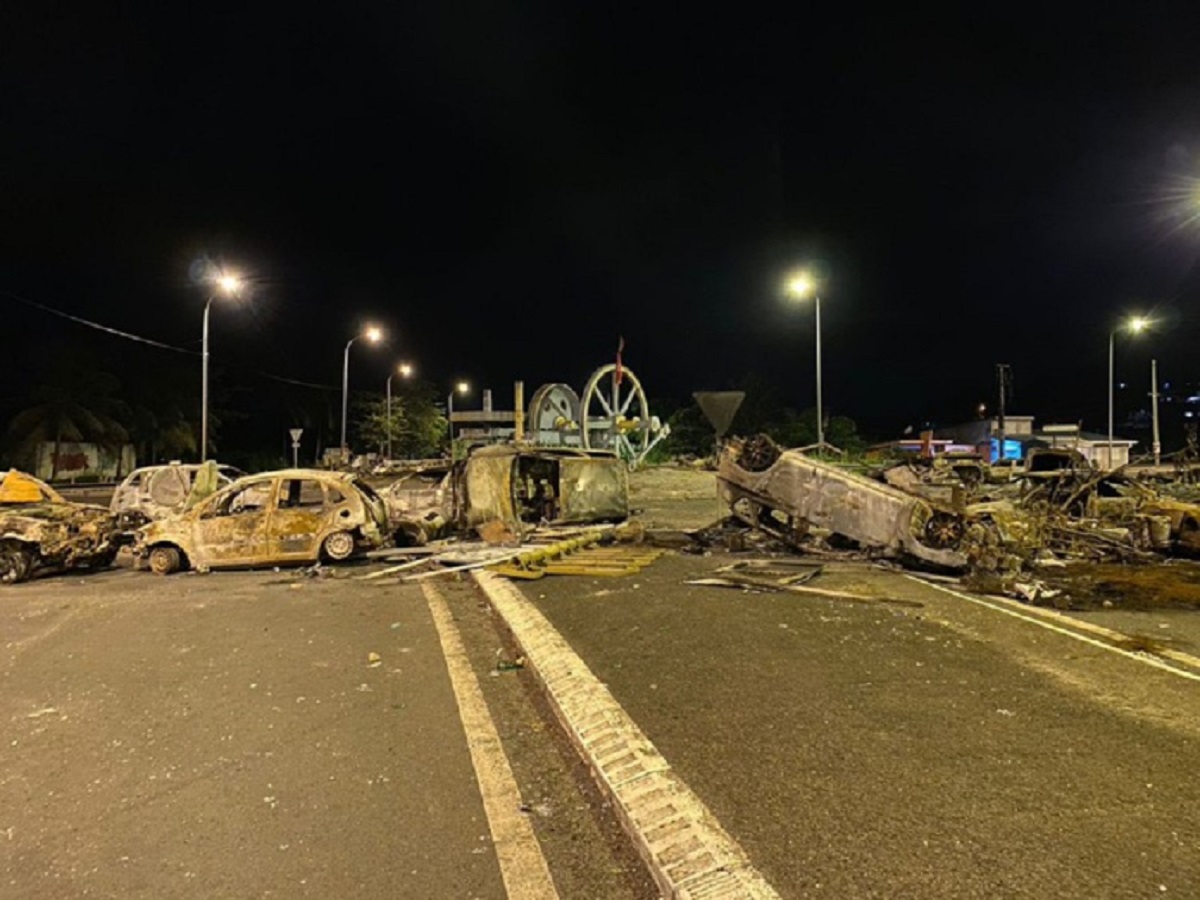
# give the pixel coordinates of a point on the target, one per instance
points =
(1094, 447)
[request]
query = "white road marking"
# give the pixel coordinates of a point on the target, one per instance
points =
(689, 853)
(1072, 632)
(522, 865)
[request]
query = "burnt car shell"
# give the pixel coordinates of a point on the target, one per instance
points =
(555, 487)
(288, 516)
(41, 531)
(154, 492)
(516, 486)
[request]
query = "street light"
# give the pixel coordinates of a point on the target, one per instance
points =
(404, 370)
(1134, 325)
(372, 335)
(461, 388)
(801, 286)
(229, 285)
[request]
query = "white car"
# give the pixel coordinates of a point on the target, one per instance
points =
(152, 492)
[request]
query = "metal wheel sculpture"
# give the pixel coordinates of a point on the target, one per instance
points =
(614, 415)
(553, 415)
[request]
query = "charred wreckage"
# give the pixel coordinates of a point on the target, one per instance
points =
(956, 514)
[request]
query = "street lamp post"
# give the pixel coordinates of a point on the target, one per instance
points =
(462, 388)
(404, 370)
(373, 335)
(228, 285)
(1134, 325)
(801, 286)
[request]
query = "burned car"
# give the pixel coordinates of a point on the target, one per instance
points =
(785, 493)
(154, 492)
(511, 486)
(289, 516)
(41, 531)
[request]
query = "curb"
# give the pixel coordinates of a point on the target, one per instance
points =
(689, 854)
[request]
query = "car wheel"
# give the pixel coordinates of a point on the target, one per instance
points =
(338, 546)
(165, 560)
(16, 563)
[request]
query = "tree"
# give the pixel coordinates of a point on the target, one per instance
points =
(416, 427)
(73, 403)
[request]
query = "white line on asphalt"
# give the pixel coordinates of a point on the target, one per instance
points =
(522, 865)
(1024, 616)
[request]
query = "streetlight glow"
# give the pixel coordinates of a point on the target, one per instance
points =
(229, 284)
(801, 286)
(463, 388)
(405, 370)
(373, 334)
(1138, 324)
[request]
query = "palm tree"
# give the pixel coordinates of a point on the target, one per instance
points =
(83, 411)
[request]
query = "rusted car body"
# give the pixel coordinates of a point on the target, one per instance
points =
(155, 492)
(40, 531)
(289, 516)
(512, 486)
(785, 492)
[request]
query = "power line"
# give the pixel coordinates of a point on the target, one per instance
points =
(150, 341)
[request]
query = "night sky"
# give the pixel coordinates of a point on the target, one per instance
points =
(508, 189)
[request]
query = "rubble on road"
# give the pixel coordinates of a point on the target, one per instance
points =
(1006, 529)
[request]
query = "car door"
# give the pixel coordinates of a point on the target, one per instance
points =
(233, 530)
(298, 519)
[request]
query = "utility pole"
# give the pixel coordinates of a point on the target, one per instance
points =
(1156, 444)
(1003, 379)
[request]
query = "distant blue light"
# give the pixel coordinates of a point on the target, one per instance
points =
(1012, 449)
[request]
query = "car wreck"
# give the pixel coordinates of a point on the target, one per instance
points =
(155, 492)
(785, 493)
(504, 489)
(288, 516)
(40, 531)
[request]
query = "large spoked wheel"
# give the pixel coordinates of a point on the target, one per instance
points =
(165, 560)
(615, 416)
(16, 562)
(553, 414)
(338, 546)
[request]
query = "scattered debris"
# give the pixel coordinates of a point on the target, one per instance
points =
(790, 576)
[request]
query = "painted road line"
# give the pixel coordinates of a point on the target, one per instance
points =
(1065, 625)
(522, 865)
(688, 852)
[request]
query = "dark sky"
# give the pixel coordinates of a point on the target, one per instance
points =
(509, 188)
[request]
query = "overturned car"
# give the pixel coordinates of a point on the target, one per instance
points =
(785, 493)
(289, 516)
(509, 488)
(41, 531)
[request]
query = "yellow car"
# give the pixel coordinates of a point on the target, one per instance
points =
(289, 516)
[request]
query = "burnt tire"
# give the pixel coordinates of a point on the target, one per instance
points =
(165, 560)
(338, 546)
(16, 563)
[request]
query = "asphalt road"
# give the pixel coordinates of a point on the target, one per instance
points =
(231, 735)
(875, 750)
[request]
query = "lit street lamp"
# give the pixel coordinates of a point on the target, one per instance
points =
(228, 285)
(1134, 325)
(461, 388)
(404, 370)
(374, 336)
(800, 287)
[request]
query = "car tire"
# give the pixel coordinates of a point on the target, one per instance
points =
(338, 546)
(165, 559)
(16, 563)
